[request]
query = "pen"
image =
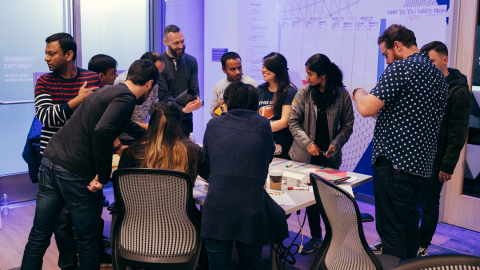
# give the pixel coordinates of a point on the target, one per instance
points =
(339, 181)
(298, 188)
(289, 164)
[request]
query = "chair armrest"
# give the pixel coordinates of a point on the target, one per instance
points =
(366, 217)
(113, 207)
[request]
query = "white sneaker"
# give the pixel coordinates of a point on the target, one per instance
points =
(422, 252)
(376, 247)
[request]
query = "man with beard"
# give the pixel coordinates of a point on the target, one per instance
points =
(409, 102)
(78, 162)
(179, 74)
(232, 66)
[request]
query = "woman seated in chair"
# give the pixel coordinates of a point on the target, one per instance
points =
(239, 145)
(165, 146)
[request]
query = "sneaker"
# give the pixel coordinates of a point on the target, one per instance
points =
(312, 244)
(422, 252)
(376, 247)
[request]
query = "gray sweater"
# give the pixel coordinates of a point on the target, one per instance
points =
(303, 120)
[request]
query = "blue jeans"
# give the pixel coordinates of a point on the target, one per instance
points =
(58, 187)
(220, 254)
(432, 188)
(397, 195)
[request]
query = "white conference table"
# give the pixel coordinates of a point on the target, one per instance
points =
(301, 198)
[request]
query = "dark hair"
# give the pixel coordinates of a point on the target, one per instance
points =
(142, 71)
(437, 46)
(165, 143)
(170, 29)
(277, 64)
(321, 64)
(152, 56)
(229, 55)
(397, 32)
(101, 63)
(239, 95)
(66, 41)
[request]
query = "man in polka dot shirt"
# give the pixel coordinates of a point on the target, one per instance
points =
(409, 102)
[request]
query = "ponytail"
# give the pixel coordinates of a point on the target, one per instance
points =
(322, 65)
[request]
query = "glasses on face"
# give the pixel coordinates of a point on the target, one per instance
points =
(385, 54)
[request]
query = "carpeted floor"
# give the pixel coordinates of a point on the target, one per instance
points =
(462, 241)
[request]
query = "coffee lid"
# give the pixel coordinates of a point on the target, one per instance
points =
(276, 173)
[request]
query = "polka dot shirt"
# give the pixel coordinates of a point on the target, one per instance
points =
(415, 94)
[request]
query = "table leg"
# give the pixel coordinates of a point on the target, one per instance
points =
(273, 256)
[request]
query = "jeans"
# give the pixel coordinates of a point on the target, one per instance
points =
(432, 188)
(58, 187)
(312, 211)
(220, 254)
(65, 240)
(397, 195)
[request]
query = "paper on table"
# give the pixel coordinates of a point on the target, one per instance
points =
(197, 193)
(283, 199)
(345, 186)
(328, 176)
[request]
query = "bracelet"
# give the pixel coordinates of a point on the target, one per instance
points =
(116, 148)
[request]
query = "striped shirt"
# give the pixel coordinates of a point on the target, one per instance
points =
(52, 93)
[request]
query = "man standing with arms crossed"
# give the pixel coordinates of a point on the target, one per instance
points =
(77, 163)
(451, 139)
(57, 96)
(409, 100)
(179, 74)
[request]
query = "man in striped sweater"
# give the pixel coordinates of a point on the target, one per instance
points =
(57, 96)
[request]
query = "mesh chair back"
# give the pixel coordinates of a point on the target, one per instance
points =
(441, 262)
(156, 223)
(344, 246)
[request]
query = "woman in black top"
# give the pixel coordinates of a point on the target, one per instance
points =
(275, 98)
(321, 120)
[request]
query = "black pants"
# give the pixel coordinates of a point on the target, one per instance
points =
(397, 195)
(312, 211)
(431, 190)
(187, 126)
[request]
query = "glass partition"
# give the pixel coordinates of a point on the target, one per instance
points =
(24, 27)
(118, 28)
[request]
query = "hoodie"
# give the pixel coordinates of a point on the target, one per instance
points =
(454, 127)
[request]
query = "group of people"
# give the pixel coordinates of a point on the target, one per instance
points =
(417, 142)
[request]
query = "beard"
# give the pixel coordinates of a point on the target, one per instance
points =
(175, 54)
(145, 96)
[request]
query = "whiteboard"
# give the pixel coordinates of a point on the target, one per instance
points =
(344, 30)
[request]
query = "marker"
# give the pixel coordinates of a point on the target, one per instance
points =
(297, 188)
(275, 192)
(289, 164)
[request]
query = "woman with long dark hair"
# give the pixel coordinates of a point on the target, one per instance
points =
(165, 145)
(321, 121)
(275, 98)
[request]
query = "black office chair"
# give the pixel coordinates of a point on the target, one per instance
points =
(344, 246)
(441, 262)
(153, 225)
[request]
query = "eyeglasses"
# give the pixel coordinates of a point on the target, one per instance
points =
(385, 54)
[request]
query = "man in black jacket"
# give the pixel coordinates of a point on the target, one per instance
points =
(179, 74)
(451, 139)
